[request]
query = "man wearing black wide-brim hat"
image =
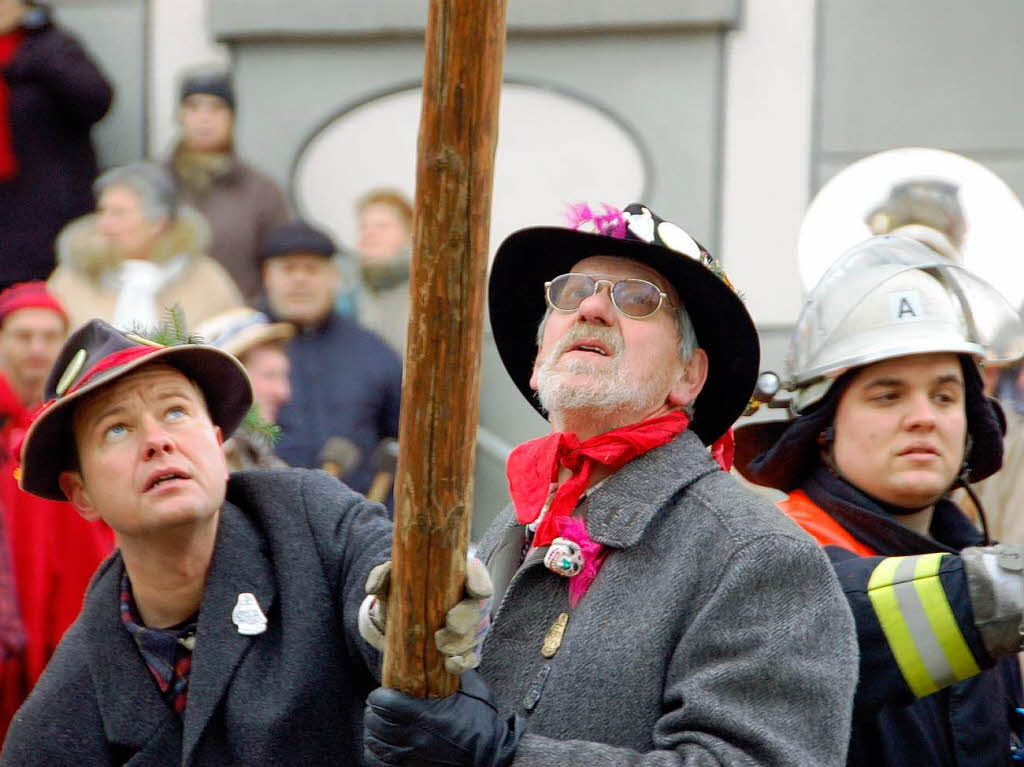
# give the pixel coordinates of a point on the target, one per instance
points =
(650, 609)
(223, 629)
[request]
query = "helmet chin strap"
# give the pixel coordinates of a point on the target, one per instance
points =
(963, 480)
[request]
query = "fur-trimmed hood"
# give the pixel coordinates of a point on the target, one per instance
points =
(83, 250)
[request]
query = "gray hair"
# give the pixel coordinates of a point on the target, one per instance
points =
(151, 182)
(684, 328)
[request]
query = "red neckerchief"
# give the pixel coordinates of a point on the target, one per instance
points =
(533, 466)
(8, 162)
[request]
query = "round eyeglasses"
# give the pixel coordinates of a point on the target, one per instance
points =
(633, 297)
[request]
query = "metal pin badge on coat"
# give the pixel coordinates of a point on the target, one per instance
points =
(248, 616)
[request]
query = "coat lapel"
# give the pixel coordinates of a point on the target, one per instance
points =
(240, 564)
(621, 509)
(135, 716)
(503, 560)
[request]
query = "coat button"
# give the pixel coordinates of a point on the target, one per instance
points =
(536, 689)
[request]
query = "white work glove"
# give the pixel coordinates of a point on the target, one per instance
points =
(995, 582)
(466, 624)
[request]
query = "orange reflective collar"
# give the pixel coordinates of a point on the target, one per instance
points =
(816, 522)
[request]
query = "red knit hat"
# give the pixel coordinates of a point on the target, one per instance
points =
(29, 295)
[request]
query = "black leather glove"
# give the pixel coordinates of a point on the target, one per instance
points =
(462, 729)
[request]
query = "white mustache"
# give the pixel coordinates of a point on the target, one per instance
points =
(581, 332)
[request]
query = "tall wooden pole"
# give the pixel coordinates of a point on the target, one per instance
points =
(465, 43)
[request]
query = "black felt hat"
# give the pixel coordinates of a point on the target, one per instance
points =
(98, 354)
(530, 257)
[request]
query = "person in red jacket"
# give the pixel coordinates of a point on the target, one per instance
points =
(49, 552)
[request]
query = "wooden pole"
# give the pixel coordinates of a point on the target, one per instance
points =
(465, 42)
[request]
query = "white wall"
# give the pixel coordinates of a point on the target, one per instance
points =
(767, 141)
(767, 153)
(179, 39)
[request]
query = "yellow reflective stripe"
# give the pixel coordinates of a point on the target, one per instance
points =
(918, 623)
(897, 634)
(940, 616)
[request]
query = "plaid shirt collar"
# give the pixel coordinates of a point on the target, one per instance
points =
(167, 652)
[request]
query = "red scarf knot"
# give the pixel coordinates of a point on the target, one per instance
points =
(533, 467)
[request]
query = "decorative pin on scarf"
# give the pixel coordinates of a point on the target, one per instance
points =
(575, 556)
(248, 616)
(564, 557)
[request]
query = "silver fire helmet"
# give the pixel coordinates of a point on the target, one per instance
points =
(890, 296)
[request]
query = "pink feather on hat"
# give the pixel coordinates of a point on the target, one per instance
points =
(610, 222)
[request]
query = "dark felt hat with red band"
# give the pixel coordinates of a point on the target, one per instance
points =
(530, 257)
(98, 354)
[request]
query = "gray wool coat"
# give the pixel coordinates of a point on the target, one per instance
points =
(715, 632)
(303, 544)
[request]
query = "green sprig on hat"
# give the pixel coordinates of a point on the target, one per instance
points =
(172, 330)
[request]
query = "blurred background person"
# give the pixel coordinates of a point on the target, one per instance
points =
(242, 204)
(384, 252)
(346, 383)
(926, 209)
(261, 346)
(139, 254)
(1001, 496)
(48, 552)
(51, 94)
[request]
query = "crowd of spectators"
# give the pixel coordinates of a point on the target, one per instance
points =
(198, 228)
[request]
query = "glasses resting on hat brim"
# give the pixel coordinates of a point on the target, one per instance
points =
(633, 297)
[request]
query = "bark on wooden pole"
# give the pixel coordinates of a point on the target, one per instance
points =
(465, 43)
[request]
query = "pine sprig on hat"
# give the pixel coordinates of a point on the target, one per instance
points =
(259, 428)
(170, 331)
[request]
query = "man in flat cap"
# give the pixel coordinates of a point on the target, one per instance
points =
(223, 630)
(650, 610)
(346, 382)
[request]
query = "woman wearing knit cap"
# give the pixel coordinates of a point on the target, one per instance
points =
(243, 205)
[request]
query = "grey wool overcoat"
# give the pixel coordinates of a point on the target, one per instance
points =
(301, 543)
(715, 632)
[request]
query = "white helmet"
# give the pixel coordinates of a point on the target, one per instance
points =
(891, 296)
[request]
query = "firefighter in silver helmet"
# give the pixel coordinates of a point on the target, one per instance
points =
(888, 415)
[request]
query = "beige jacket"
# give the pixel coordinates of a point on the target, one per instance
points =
(86, 276)
(1002, 494)
(386, 313)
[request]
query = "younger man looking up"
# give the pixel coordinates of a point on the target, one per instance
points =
(223, 631)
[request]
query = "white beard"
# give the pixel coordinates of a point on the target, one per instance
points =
(609, 388)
